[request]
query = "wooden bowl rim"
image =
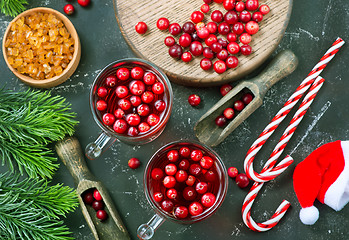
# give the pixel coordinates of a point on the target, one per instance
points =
(50, 82)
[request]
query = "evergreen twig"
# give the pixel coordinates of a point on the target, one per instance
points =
(12, 7)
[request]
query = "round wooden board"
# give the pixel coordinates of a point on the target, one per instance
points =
(150, 46)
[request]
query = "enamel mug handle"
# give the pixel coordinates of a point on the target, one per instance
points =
(95, 149)
(147, 230)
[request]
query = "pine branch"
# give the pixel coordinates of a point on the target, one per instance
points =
(54, 201)
(12, 7)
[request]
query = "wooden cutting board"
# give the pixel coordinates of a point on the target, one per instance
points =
(151, 47)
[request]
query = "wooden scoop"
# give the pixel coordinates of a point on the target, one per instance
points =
(209, 133)
(69, 150)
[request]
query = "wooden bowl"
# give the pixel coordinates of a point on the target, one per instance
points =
(50, 82)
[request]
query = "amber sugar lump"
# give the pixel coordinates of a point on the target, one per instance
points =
(39, 46)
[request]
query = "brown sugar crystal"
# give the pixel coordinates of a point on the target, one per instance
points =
(39, 46)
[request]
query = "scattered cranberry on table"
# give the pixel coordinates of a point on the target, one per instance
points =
(84, 3)
(194, 100)
(225, 88)
(69, 9)
(134, 163)
(242, 180)
(141, 28)
(163, 23)
(232, 172)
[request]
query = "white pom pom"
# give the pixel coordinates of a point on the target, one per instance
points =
(309, 215)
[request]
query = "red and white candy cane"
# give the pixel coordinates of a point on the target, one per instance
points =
(286, 136)
(270, 172)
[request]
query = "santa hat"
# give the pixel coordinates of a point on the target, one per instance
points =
(323, 175)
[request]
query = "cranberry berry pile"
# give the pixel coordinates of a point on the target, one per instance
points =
(185, 183)
(131, 101)
(93, 197)
(221, 35)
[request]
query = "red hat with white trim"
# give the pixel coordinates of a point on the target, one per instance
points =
(323, 175)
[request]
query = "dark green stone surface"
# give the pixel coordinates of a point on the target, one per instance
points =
(313, 27)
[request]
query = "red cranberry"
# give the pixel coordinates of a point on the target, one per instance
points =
(135, 101)
(221, 121)
(102, 215)
(121, 91)
(141, 28)
(201, 187)
(188, 27)
(216, 47)
(88, 198)
(223, 28)
(158, 88)
(98, 205)
(124, 104)
(205, 8)
(225, 88)
(206, 162)
(136, 87)
(252, 5)
(175, 29)
(196, 48)
(137, 73)
(97, 195)
(229, 4)
(242, 180)
(194, 100)
(232, 172)
(167, 205)
(240, 6)
(232, 62)
(189, 193)
(197, 17)
(169, 41)
(222, 55)
(157, 174)
(212, 27)
(195, 37)
(208, 199)
(184, 152)
(169, 181)
(239, 105)
(228, 113)
(251, 27)
(185, 40)
(245, 38)
(206, 64)
(257, 17)
(210, 40)
(264, 9)
(84, 3)
(184, 164)
(223, 42)
(210, 176)
(181, 176)
(143, 127)
(120, 126)
(170, 169)
(203, 33)
(175, 51)
(110, 81)
(122, 74)
(207, 1)
(133, 119)
(195, 209)
(219, 66)
(149, 78)
(208, 53)
(246, 49)
(238, 28)
(173, 155)
(231, 17)
(153, 119)
(245, 16)
(147, 97)
(108, 119)
(162, 23)
(186, 57)
(232, 37)
(217, 16)
(233, 48)
(101, 105)
(158, 196)
(160, 105)
(132, 131)
(195, 169)
(143, 110)
(191, 180)
(247, 98)
(171, 193)
(102, 92)
(196, 155)
(181, 212)
(69, 9)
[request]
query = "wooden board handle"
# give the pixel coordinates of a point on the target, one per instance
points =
(69, 151)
